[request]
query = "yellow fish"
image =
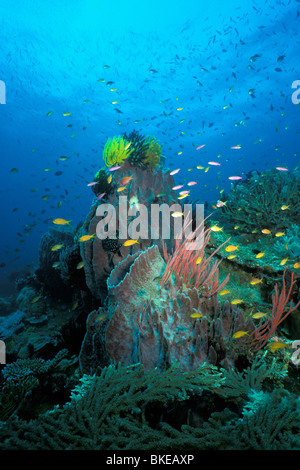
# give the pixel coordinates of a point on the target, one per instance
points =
(279, 234)
(284, 207)
(266, 231)
(255, 281)
(130, 242)
(236, 301)
(240, 334)
(206, 169)
(86, 238)
(179, 109)
(200, 167)
(260, 255)
(236, 227)
(121, 188)
(61, 222)
(67, 114)
(177, 214)
(57, 247)
(231, 256)
(80, 265)
(183, 196)
(277, 345)
(259, 315)
(198, 260)
(127, 147)
(231, 248)
(36, 299)
(224, 292)
(216, 228)
(109, 179)
(283, 262)
(296, 265)
(196, 315)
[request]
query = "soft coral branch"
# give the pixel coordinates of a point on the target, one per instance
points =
(280, 311)
(192, 266)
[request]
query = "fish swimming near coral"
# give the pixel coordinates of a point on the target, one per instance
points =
(61, 221)
(130, 242)
(86, 238)
(240, 334)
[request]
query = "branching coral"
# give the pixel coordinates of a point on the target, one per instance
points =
(280, 311)
(192, 266)
(289, 245)
(242, 384)
(20, 378)
(256, 203)
(104, 409)
(116, 151)
(116, 411)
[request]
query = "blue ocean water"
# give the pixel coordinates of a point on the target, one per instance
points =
(160, 57)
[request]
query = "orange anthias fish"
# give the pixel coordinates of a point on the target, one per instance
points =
(125, 180)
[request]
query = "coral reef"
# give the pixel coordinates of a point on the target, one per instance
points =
(129, 408)
(280, 311)
(11, 324)
(167, 360)
(289, 245)
(57, 272)
(154, 325)
(107, 406)
(21, 377)
(256, 202)
(101, 256)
